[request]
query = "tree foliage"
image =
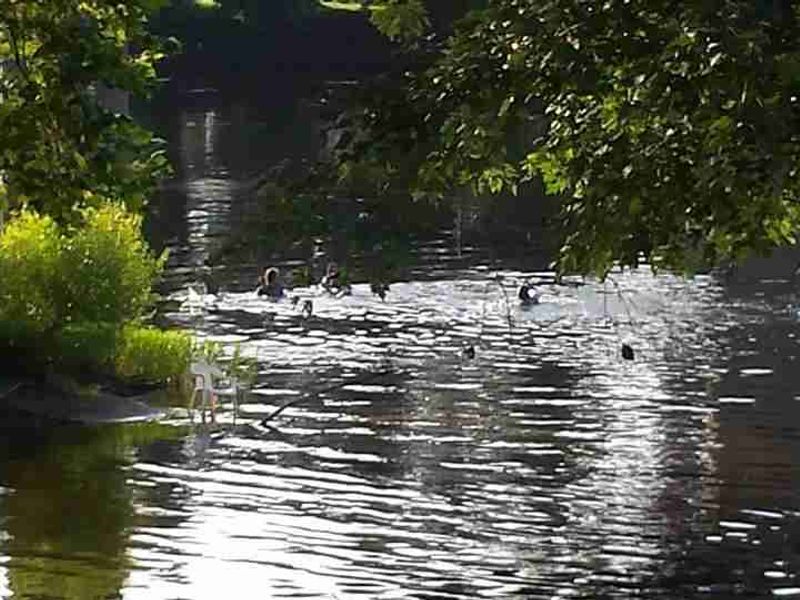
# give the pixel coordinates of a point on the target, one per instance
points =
(668, 130)
(60, 149)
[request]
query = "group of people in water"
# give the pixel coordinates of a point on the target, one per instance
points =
(271, 286)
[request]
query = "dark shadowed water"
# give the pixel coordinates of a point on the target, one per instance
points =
(544, 466)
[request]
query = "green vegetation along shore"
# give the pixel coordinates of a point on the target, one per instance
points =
(76, 274)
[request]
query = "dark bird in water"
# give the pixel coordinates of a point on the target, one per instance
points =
(527, 296)
(379, 289)
(308, 308)
(627, 352)
(294, 300)
(468, 352)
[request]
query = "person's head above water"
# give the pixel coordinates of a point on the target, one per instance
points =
(271, 275)
(332, 270)
(269, 283)
(526, 296)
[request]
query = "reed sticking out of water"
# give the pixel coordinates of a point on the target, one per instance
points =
(624, 301)
(626, 349)
(509, 318)
(10, 390)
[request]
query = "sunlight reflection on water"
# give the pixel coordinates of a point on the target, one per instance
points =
(542, 462)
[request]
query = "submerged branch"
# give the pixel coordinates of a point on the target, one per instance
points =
(366, 377)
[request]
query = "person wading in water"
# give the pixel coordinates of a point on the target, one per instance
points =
(269, 284)
(332, 282)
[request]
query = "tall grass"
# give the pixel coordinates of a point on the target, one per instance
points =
(147, 354)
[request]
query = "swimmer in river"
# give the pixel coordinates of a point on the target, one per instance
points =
(527, 295)
(332, 283)
(269, 284)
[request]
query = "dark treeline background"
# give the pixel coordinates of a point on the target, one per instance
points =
(252, 39)
(300, 38)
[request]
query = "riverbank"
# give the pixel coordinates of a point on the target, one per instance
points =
(46, 402)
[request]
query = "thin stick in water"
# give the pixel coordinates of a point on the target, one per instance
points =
(330, 388)
(499, 281)
(12, 389)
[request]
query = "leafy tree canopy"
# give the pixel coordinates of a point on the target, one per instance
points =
(668, 129)
(60, 149)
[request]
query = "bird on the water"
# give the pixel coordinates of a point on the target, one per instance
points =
(627, 352)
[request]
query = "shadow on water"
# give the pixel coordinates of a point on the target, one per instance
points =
(69, 509)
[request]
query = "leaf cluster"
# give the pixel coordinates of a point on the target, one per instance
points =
(60, 148)
(352, 218)
(669, 130)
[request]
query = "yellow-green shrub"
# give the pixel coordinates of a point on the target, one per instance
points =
(30, 247)
(75, 298)
(147, 354)
(106, 267)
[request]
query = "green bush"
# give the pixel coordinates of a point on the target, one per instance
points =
(30, 247)
(147, 354)
(107, 269)
(73, 298)
(86, 346)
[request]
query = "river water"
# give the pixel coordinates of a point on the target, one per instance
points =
(472, 449)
